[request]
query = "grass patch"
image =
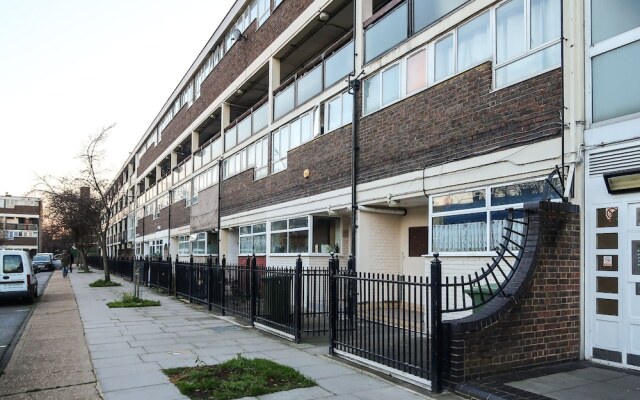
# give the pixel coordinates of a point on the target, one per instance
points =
(236, 378)
(103, 283)
(129, 300)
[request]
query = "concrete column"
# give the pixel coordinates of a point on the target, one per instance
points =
(364, 10)
(195, 141)
(274, 82)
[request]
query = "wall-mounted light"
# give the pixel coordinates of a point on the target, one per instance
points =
(323, 16)
(623, 182)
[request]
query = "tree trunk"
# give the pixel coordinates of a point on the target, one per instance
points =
(105, 260)
(83, 259)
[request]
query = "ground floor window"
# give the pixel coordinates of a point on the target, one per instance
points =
(290, 235)
(184, 245)
(204, 243)
(155, 248)
(326, 235)
(474, 220)
(253, 239)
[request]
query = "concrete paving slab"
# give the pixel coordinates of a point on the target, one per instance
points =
(328, 370)
(126, 370)
(311, 393)
(562, 381)
(165, 391)
(596, 374)
(533, 386)
(352, 383)
(126, 360)
(97, 355)
(141, 379)
(390, 392)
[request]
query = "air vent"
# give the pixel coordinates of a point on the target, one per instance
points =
(614, 160)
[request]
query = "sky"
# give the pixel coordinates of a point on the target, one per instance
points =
(69, 68)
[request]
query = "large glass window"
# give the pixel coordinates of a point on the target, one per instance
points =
(291, 135)
(474, 221)
(474, 43)
(386, 33)
(610, 18)
(309, 85)
(204, 243)
(290, 236)
(616, 82)
(184, 245)
(426, 12)
(338, 111)
(444, 58)
(382, 89)
(253, 239)
(416, 71)
(338, 65)
(525, 49)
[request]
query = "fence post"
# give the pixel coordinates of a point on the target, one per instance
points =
(436, 324)
(209, 277)
(190, 274)
(351, 291)
(253, 288)
(297, 300)
(247, 279)
(223, 283)
(148, 267)
(333, 303)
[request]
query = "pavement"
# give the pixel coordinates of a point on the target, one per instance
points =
(75, 347)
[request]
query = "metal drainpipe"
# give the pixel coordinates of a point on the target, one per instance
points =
(354, 86)
(169, 225)
(219, 207)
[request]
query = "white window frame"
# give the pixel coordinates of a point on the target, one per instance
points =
(340, 97)
(184, 245)
(528, 51)
(288, 230)
(596, 49)
(252, 235)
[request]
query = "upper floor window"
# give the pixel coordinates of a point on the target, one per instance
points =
(427, 12)
(387, 32)
(291, 135)
(338, 111)
(615, 54)
(264, 10)
(527, 39)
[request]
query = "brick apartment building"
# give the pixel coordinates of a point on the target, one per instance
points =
(20, 223)
(421, 122)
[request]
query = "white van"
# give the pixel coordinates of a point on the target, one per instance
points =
(17, 278)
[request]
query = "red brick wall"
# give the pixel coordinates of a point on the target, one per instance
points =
(458, 119)
(235, 61)
(544, 328)
(33, 210)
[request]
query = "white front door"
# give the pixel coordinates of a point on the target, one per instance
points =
(631, 290)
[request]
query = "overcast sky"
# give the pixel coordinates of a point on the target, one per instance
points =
(71, 67)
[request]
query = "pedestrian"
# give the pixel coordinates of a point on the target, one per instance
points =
(64, 260)
(70, 261)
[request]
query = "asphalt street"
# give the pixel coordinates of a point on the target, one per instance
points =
(13, 313)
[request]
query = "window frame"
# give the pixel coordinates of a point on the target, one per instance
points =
(288, 230)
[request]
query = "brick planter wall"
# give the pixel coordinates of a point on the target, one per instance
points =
(544, 326)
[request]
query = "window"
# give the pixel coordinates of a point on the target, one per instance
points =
(382, 89)
(427, 12)
(12, 264)
(615, 82)
(264, 10)
(253, 156)
(614, 55)
(253, 239)
(309, 85)
(473, 42)
(184, 245)
(611, 18)
(326, 235)
(386, 33)
(290, 236)
(155, 249)
(163, 202)
(284, 101)
(291, 135)
(338, 65)
(473, 221)
(416, 71)
(525, 49)
(338, 111)
(444, 58)
(204, 243)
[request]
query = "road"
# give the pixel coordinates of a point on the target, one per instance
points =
(13, 314)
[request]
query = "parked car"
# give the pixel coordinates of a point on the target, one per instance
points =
(57, 261)
(17, 278)
(43, 261)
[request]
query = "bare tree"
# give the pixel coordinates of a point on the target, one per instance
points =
(104, 196)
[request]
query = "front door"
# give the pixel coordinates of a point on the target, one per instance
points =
(631, 278)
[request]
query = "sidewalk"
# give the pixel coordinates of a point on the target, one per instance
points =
(130, 347)
(51, 359)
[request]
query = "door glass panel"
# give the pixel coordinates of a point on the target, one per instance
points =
(635, 257)
(607, 263)
(607, 307)
(607, 241)
(607, 285)
(607, 217)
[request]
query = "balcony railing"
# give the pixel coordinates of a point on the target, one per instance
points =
(19, 227)
(249, 123)
(211, 150)
(321, 73)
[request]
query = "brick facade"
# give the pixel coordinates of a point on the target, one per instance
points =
(457, 119)
(232, 65)
(544, 326)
